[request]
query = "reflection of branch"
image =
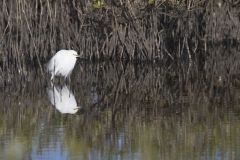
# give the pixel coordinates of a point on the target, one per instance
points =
(168, 53)
(231, 18)
(110, 95)
(117, 89)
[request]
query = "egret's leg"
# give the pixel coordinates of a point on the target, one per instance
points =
(69, 79)
(65, 79)
(52, 77)
(52, 85)
(59, 80)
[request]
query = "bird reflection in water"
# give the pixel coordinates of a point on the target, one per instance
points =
(63, 99)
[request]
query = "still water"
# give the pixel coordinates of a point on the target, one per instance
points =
(120, 111)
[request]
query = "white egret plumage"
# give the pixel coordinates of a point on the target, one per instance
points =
(63, 99)
(62, 63)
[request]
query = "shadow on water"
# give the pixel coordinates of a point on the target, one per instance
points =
(128, 111)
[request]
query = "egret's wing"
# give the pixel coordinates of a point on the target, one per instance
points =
(56, 61)
(51, 65)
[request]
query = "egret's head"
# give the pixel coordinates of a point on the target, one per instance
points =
(74, 53)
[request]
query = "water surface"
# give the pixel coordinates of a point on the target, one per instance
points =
(123, 112)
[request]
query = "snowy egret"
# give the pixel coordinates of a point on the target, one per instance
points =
(63, 99)
(62, 63)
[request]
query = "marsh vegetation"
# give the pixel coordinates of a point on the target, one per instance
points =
(159, 79)
(165, 31)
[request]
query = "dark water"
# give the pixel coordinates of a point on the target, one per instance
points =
(125, 112)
